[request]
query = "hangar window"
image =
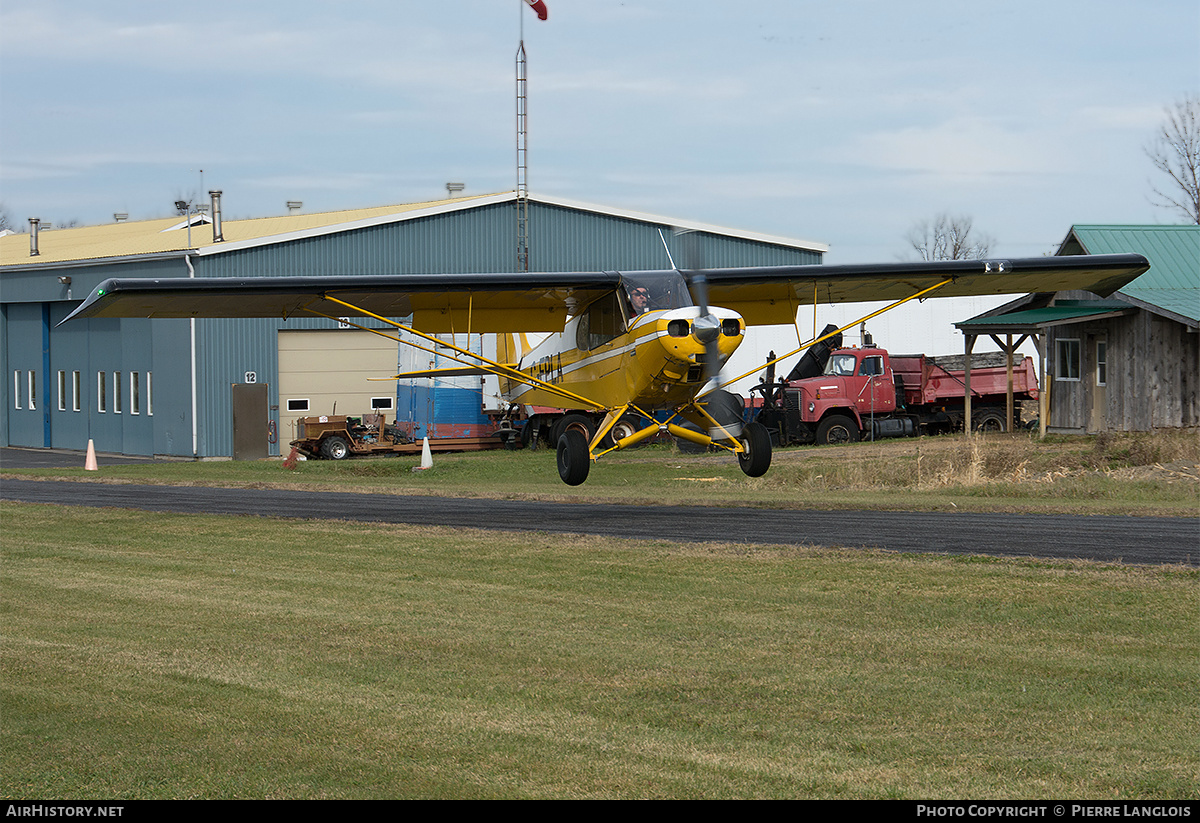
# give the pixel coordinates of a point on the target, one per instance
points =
(76, 392)
(300, 404)
(101, 392)
(149, 394)
(1066, 358)
(31, 384)
(117, 392)
(382, 403)
(17, 389)
(62, 390)
(135, 393)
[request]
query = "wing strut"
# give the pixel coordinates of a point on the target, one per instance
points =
(863, 319)
(496, 368)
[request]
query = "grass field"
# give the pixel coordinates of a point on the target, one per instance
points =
(150, 656)
(163, 656)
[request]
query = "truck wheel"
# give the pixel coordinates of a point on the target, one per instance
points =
(989, 422)
(837, 429)
(335, 448)
(574, 460)
(756, 440)
(574, 422)
(626, 426)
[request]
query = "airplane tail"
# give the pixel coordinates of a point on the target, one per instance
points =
(511, 348)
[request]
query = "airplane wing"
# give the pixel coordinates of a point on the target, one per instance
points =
(771, 295)
(439, 303)
(540, 302)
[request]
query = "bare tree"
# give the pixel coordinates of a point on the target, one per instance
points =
(6, 223)
(948, 238)
(1175, 152)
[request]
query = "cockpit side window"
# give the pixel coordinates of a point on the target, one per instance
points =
(600, 322)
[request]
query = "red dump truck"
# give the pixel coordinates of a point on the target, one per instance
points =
(867, 393)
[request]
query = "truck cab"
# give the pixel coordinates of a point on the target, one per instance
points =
(857, 386)
(856, 394)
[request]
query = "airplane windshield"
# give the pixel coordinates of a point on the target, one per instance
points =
(650, 291)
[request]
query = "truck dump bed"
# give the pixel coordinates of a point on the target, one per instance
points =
(927, 382)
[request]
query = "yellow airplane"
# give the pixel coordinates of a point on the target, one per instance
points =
(620, 342)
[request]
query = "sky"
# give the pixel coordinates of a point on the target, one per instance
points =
(843, 123)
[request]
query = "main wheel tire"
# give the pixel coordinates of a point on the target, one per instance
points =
(837, 429)
(574, 460)
(989, 422)
(335, 448)
(574, 422)
(756, 458)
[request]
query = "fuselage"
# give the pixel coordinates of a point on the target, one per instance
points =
(653, 360)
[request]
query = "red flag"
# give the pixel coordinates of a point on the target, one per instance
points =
(540, 7)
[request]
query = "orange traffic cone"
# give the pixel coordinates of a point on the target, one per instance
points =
(90, 463)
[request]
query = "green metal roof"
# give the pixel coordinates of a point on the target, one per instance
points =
(1031, 321)
(1173, 281)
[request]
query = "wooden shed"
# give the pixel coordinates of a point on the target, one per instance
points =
(1130, 362)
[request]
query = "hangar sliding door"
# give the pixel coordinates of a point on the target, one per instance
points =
(327, 371)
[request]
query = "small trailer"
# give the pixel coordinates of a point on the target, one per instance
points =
(337, 437)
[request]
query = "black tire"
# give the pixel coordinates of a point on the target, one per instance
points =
(686, 446)
(573, 422)
(756, 440)
(990, 422)
(837, 429)
(335, 448)
(728, 409)
(574, 460)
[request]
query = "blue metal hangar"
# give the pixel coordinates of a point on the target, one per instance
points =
(170, 386)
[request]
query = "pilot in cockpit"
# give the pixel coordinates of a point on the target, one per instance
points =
(639, 298)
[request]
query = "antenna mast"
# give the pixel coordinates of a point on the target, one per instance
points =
(522, 159)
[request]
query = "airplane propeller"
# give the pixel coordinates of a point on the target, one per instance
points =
(725, 407)
(706, 328)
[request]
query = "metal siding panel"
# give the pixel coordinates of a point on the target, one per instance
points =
(23, 348)
(172, 387)
(5, 400)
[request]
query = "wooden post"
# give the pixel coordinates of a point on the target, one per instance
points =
(968, 345)
(1008, 349)
(1043, 386)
